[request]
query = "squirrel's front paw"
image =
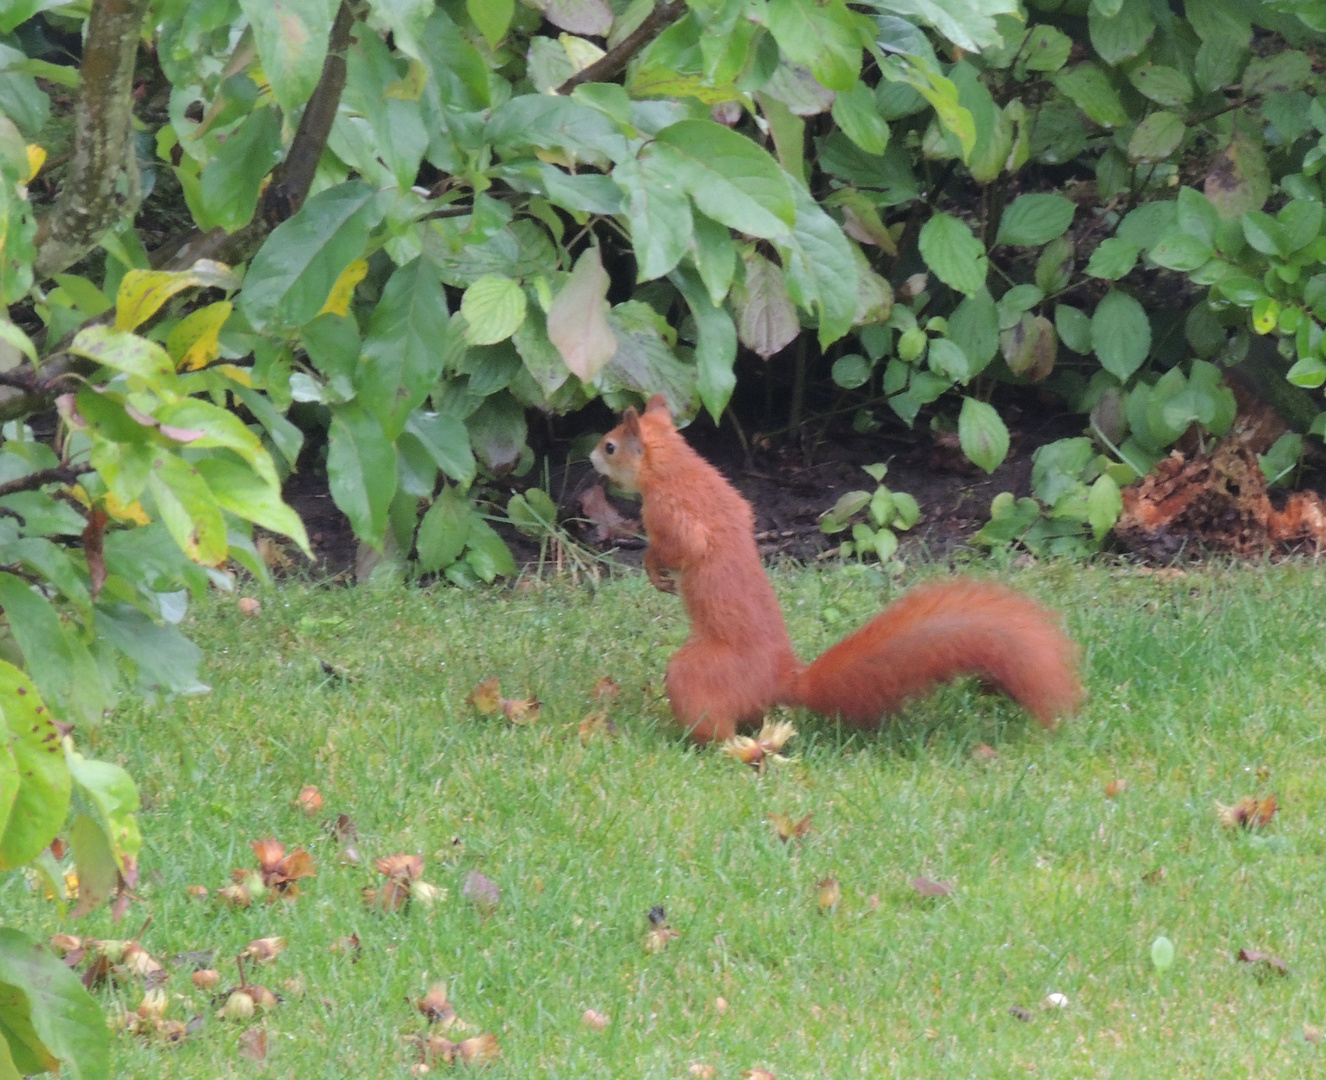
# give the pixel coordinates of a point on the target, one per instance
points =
(662, 579)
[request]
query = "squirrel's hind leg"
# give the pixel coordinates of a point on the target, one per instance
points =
(714, 690)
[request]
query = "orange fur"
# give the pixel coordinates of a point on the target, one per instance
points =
(738, 660)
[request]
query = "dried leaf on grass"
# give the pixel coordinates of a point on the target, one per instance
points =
(660, 933)
(596, 723)
(787, 829)
(1249, 812)
(487, 699)
(253, 1044)
(1255, 956)
(926, 887)
(828, 895)
(309, 800)
(766, 746)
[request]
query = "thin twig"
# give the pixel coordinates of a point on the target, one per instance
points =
(58, 474)
(616, 58)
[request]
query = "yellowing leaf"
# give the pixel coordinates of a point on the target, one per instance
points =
(36, 159)
(578, 318)
(410, 88)
(142, 292)
(580, 52)
(240, 375)
(125, 511)
(194, 344)
(338, 303)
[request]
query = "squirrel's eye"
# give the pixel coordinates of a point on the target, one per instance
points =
(610, 448)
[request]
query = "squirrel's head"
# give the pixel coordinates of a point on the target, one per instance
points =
(620, 453)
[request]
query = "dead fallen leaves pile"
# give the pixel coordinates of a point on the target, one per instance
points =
(1217, 500)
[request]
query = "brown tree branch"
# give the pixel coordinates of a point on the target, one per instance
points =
(616, 58)
(90, 201)
(291, 180)
(58, 474)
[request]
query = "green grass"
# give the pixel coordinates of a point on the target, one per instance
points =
(1196, 683)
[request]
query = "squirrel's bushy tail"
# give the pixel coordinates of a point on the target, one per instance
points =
(934, 634)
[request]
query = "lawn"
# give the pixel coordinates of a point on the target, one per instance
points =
(1204, 687)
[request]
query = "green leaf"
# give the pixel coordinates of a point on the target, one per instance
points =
(1104, 504)
(730, 178)
(361, 471)
(1165, 86)
(645, 364)
(1180, 250)
(243, 493)
(447, 443)
(444, 531)
(857, 114)
(946, 358)
(1162, 953)
(982, 434)
(1276, 74)
(1196, 216)
(969, 24)
(406, 344)
(492, 17)
(715, 346)
(851, 371)
(1124, 35)
(821, 35)
(1090, 89)
(41, 997)
(230, 182)
(55, 656)
(203, 425)
(494, 308)
(974, 328)
(293, 273)
(1046, 49)
(498, 431)
(188, 509)
(125, 352)
(1156, 137)
(98, 872)
(292, 43)
(1112, 259)
(166, 660)
(549, 122)
(658, 212)
(1264, 233)
(950, 250)
(821, 268)
(37, 806)
(1120, 334)
(1032, 220)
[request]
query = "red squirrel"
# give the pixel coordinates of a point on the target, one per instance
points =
(738, 661)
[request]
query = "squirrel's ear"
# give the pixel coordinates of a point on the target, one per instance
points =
(631, 421)
(658, 404)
